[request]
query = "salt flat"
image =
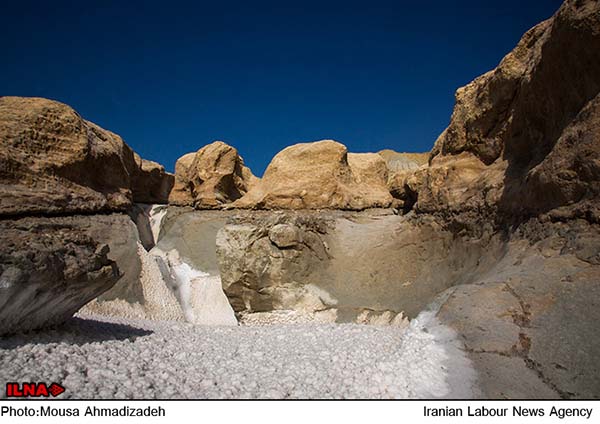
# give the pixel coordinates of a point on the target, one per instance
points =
(99, 357)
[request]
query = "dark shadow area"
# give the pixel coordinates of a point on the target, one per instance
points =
(75, 331)
(551, 132)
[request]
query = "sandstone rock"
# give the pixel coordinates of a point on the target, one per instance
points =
(404, 186)
(396, 161)
(361, 267)
(150, 183)
(49, 268)
(213, 176)
(284, 235)
(53, 161)
(534, 312)
(320, 175)
(568, 176)
(532, 122)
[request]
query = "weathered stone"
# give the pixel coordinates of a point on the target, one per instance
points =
(150, 183)
(49, 268)
(396, 161)
(284, 235)
(212, 177)
(320, 175)
(341, 261)
(532, 123)
(52, 161)
(534, 309)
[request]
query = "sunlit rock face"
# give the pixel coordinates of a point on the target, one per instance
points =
(54, 167)
(320, 175)
(212, 177)
(53, 161)
(527, 130)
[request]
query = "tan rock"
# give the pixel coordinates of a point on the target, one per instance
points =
(320, 175)
(532, 123)
(403, 161)
(212, 177)
(150, 183)
(53, 161)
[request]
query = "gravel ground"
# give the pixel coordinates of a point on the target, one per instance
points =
(98, 357)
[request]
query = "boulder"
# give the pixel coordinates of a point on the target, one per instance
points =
(212, 177)
(49, 268)
(52, 161)
(320, 175)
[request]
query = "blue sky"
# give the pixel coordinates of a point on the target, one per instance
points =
(170, 77)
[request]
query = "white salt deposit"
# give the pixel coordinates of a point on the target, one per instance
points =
(156, 215)
(157, 302)
(200, 294)
(98, 357)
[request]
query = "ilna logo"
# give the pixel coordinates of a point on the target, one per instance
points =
(33, 390)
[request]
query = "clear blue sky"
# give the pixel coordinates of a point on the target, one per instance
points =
(170, 76)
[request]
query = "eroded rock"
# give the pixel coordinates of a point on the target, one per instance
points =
(49, 268)
(212, 177)
(320, 175)
(532, 123)
(52, 161)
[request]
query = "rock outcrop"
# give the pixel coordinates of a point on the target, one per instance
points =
(532, 123)
(339, 266)
(520, 161)
(49, 268)
(404, 177)
(212, 177)
(403, 161)
(150, 183)
(52, 161)
(320, 175)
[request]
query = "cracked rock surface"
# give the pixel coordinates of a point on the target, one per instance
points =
(530, 322)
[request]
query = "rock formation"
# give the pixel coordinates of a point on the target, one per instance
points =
(320, 175)
(532, 123)
(403, 161)
(49, 268)
(339, 266)
(53, 162)
(500, 237)
(150, 183)
(212, 177)
(520, 159)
